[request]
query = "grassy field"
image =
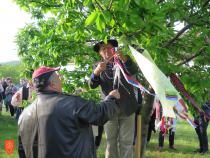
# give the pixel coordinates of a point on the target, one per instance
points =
(185, 141)
(8, 130)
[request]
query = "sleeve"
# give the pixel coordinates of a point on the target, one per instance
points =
(27, 129)
(7, 91)
(94, 81)
(96, 114)
(130, 66)
(17, 98)
(1, 88)
(14, 90)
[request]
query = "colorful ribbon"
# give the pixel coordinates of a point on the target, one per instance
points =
(180, 87)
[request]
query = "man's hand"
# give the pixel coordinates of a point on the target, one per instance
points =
(115, 94)
(18, 97)
(100, 68)
(122, 57)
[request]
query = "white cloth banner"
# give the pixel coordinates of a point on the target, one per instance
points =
(159, 82)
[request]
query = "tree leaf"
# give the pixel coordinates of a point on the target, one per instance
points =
(91, 18)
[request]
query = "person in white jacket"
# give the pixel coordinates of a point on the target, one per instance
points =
(165, 125)
(24, 93)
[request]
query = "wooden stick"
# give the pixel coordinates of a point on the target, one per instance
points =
(138, 138)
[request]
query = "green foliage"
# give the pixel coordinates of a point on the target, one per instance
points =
(26, 103)
(72, 27)
(13, 71)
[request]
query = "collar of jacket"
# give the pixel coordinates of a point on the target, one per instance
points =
(48, 92)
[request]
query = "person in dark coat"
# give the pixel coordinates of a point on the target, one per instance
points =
(1, 96)
(9, 92)
(201, 129)
(58, 125)
(119, 131)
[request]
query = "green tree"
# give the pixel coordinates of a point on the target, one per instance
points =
(66, 35)
(64, 31)
(11, 70)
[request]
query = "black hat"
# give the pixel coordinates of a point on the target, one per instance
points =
(98, 45)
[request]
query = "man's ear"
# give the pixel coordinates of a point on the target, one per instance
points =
(51, 83)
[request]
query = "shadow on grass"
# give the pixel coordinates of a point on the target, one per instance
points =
(185, 149)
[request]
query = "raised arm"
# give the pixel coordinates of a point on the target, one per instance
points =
(130, 66)
(97, 114)
(95, 76)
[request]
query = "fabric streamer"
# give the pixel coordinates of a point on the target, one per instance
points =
(159, 82)
(165, 91)
(179, 85)
(167, 94)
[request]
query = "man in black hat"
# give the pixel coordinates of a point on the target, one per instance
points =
(57, 125)
(120, 129)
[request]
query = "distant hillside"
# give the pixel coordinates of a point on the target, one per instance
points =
(11, 69)
(11, 63)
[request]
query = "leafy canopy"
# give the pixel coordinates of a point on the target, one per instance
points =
(64, 31)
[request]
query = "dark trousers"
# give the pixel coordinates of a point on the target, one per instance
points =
(201, 131)
(11, 108)
(171, 138)
(99, 137)
(6, 105)
(151, 128)
(18, 112)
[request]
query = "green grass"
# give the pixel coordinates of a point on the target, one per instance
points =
(8, 130)
(185, 141)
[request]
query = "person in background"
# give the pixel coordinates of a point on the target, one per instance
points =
(58, 125)
(1, 96)
(202, 126)
(151, 125)
(4, 85)
(119, 131)
(169, 128)
(165, 125)
(9, 92)
(22, 95)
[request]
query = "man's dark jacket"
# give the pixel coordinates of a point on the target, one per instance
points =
(63, 125)
(107, 83)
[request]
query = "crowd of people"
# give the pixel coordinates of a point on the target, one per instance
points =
(12, 96)
(60, 125)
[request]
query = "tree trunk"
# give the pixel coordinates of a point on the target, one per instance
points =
(146, 111)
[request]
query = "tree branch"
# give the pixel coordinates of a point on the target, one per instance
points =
(178, 34)
(186, 27)
(110, 5)
(46, 5)
(160, 1)
(99, 5)
(191, 58)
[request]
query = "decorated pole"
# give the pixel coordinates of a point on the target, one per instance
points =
(138, 137)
